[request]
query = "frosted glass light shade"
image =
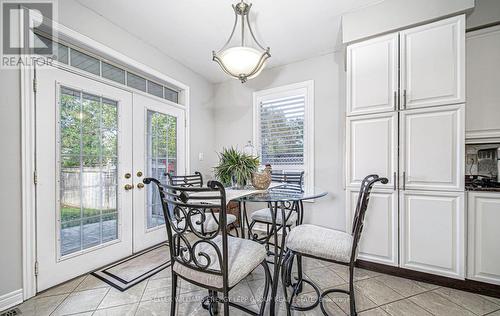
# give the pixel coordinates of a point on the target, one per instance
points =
(241, 60)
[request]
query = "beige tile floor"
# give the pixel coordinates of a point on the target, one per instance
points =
(376, 294)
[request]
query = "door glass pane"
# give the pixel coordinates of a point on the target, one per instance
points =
(88, 170)
(161, 159)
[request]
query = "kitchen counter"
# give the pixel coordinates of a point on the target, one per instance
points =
(475, 189)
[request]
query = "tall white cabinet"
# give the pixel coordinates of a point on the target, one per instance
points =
(432, 232)
(375, 138)
(372, 75)
(432, 148)
(432, 64)
(483, 95)
(381, 226)
(483, 237)
(406, 122)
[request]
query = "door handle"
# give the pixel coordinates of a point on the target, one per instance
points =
(404, 180)
(395, 180)
(404, 98)
(128, 187)
(395, 100)
(140, 185)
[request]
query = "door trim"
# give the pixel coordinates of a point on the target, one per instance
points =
(28, 140)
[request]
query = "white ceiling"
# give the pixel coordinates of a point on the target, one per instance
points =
(188, 30)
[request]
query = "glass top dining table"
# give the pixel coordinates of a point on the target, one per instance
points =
(279, 198)
(281, 193)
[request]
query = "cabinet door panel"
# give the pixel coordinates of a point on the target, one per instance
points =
(432, 228)
(379, 239)
(483, 96)
(372, 147)
(433, 63)
(372, 75)
(483, 251)
(432, 145)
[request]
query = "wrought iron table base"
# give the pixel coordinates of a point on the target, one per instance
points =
(278, 246)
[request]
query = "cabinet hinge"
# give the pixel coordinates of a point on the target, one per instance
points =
(35, 177)
(36, 268)
(34, 85)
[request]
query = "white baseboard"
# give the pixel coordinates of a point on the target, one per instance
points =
(11, 299)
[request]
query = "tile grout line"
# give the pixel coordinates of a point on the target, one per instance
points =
(142, 295)
(57, 306)
(491, 312)
(417, 294)
(442, 296)
(102, 299)
(427, 310)
(376, 305)
(408, 298)
(67, 295)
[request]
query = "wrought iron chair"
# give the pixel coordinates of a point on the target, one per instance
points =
(327, 245)
(213, 260)
(196, 181)
(293, 211)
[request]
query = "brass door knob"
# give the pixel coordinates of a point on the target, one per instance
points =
(140, 185)
(129, 186)
(127, 175)
(139, 173)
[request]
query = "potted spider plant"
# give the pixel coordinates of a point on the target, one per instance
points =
(235, 167)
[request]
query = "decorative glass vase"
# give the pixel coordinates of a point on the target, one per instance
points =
(236, 185)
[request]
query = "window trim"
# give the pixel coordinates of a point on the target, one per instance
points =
(306, 88)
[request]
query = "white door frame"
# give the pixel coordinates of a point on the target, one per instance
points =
(28, 136)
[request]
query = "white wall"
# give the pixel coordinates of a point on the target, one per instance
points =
(95, 26)
(485, 12)
(391, 15)
(233, 124)
(10, 186)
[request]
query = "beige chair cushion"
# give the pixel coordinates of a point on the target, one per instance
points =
(264, 215)
(211, 223)
(243, 257)
(320, 242)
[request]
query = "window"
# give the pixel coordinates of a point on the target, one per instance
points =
(96, 66)
(283, 128)
(155, 89)
(85, 62)
(136, 82)
(113, 73)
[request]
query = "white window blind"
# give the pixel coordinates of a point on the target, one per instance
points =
(282, 131)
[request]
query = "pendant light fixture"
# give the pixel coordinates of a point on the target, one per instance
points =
(241, 60)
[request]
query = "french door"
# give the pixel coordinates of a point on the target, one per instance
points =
(95, 143)
(159, 137)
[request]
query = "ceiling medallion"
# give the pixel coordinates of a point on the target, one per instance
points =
(242, 61)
